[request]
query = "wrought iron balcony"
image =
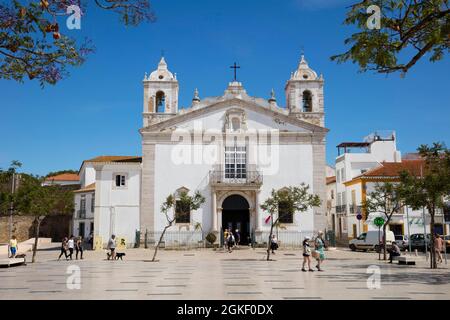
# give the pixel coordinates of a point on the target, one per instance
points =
(243, 178)
(341, 209)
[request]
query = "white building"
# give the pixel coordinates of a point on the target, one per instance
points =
(233, 148)
(377, 160)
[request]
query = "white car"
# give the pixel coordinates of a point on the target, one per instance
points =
(369, 240)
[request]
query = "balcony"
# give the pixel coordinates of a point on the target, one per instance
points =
(341, 209)
(353, 208)
(247, 178)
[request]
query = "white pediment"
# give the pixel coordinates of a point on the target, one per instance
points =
(222, 115)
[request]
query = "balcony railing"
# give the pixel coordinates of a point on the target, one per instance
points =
(353, 208)
(341, 209)
(243, 178)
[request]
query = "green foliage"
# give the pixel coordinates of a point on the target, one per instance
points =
(294, 199)
(433, 185)
(189, 203)
(408, 31)
(386, 198)
(34, 46)
(31, 198)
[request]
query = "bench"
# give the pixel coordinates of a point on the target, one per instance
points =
(403, 260)
(12, 262)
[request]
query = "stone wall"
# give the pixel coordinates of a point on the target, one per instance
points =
(54, 227)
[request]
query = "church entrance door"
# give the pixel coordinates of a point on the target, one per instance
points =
(236, 216)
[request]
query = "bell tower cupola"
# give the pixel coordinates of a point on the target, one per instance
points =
(160, 94)
(304, 94)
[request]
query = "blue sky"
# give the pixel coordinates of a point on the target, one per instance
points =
(97, 111)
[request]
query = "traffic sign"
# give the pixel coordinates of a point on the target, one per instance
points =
(379, 221)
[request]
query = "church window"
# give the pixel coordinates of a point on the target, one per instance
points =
(182, 212)
(236, 162)
(285, 212)
(120, 180)
(307, 101)
(160, 101)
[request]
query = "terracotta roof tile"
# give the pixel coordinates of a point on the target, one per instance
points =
(64, 177)
(89, 187)
(331, 179)
(115, 159)
(393, 169)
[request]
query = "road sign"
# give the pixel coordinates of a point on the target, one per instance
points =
(379, 221)
(359, 216)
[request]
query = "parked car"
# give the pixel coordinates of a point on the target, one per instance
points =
(401, 241)
(418, 241)
(369, 241)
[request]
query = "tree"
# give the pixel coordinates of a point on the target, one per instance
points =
(292, 199)
(185, 203)
(386, 199)
(31, 198)
(33, 46)
(431, 188)
(407, 31)
(40, 201)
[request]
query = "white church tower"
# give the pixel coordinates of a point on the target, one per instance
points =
(304, 94)
(160, 94)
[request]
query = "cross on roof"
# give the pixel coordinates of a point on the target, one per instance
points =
(235, 67)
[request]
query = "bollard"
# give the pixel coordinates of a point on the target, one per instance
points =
(415, 252)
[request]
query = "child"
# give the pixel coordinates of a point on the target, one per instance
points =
(13, 246)
(306, 254)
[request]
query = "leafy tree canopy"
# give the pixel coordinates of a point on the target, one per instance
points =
(408, 30)
(33, 44)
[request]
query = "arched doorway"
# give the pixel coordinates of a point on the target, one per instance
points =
(236, 216)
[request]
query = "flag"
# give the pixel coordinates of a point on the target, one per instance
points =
(267, 220)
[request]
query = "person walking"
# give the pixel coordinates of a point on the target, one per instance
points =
(438, 247)
(319, 245)
(238, 237)
(13, 247)
(307, 255)
(79, 248)
(230, 241)
(394, 251)
(71, 246)
(112, 247)
(225, 238)
(273, 243)
(91, 241)
(63, 249)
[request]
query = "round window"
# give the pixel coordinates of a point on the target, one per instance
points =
(305, 76)
(161, 77)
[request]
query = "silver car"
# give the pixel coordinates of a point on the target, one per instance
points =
(402, 241)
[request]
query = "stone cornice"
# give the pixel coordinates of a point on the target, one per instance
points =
(235, 102)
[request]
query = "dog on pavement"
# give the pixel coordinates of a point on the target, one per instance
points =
(119, 255)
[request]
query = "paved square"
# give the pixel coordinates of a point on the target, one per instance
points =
(208, 274)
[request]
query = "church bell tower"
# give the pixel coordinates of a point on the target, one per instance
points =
(304, 94)
(160, 94)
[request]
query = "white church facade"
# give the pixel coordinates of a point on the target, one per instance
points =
(234, 149)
